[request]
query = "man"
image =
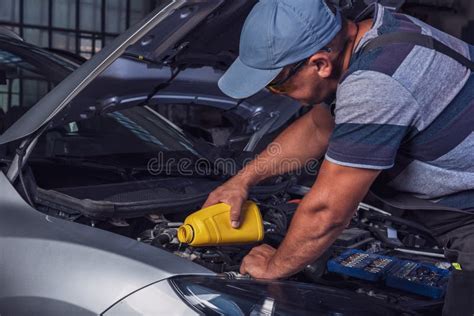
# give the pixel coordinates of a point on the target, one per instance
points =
(404, 114)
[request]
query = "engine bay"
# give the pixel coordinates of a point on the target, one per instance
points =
(381, 254)
(372, 233)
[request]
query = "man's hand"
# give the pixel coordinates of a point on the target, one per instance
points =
(321, 216)
(258, 263)
(233, 192)
(316, 126)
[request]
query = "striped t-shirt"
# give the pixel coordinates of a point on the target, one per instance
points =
(409, 111)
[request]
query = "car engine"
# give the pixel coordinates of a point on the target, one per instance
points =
(372, 234)
(380, 254)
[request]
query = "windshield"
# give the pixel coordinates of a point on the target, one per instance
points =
(27, 74)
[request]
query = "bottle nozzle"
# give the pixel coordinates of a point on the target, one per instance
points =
(185, 234)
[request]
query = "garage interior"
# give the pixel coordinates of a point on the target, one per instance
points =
(79, 171)
(83, 27)
(80, 28)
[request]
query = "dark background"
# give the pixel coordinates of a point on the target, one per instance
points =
(83, 27)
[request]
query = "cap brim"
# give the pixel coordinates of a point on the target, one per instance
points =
(241, 81)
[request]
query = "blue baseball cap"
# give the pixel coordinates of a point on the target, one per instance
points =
(275, 34)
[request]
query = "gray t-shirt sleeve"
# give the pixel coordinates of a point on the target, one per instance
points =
(373, 113)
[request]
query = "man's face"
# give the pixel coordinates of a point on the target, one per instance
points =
(312, 83)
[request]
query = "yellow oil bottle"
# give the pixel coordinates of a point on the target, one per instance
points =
(211, 226)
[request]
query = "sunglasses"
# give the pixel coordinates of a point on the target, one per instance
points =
(278, 85)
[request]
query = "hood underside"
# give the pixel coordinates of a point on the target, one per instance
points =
(182, 34)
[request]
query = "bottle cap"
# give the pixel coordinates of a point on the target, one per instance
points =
(185, 234)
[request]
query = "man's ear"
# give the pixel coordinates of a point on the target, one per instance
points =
(322, 64)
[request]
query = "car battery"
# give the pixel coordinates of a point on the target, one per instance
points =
(419, 278)
(352, 237)
(362, 265)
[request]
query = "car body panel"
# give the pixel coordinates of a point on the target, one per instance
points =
(131, 82)
(52, 266)
(9, 33)
(48, 263)
(156, 299)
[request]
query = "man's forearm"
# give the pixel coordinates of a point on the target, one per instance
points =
(322, 215)
(310, 234)
(305, 139)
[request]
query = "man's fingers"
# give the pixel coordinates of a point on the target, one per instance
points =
(263, 250)
(255, 263)
(267, 248)
(208, 202)
(235, 208)
(256, 250)
(231, 194)
(235, 212)
(242, 269)
(211, 200)
(247, 263)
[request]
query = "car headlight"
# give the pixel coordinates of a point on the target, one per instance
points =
(222, 296)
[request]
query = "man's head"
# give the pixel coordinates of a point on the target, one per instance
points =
(294, 46)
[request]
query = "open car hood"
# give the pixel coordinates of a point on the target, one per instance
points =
(184, 32)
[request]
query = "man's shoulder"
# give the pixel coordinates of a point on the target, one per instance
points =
(412, 66)
(383, 60)
(375, 96)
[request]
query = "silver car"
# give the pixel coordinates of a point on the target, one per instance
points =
(93, 184)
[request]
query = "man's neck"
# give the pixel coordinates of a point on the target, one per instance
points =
(355, 34)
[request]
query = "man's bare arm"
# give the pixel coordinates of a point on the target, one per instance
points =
(306, 138)
(320, 218)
